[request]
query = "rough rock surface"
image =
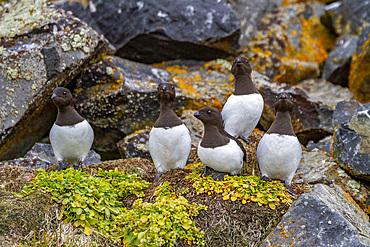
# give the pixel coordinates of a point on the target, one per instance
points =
(153, 31)
(323, 91)
(135, 145)
(351, 141)
(117, 97)
(39, 51)
(324, 144)
(318, 167)
(350, 17)
(250, 14)
(359, 75)
(338, 63)
(326, 216)
(290, 43)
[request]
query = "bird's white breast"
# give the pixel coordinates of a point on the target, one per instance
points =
(169, 148)
(227, 158)
(71, 143)
(241, 114)
(279, 156)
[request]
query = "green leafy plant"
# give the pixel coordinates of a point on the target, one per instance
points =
(245, 188)
(159, 223)
(86, 200)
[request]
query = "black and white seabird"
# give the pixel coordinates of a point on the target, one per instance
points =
(279, 151)
(219, 150)
(169, 139)
(244, 107)
(71, 135)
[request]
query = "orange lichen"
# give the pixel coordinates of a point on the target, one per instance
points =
(359, 75)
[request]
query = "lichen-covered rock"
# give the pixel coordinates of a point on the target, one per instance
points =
(117, 97)
(153, 31)
(289, 44)
(40, 49)
(135, 145)
(350, 17)
(250, 14)
(326, 216)
(359, 75)
(337, 65)
(351, 140)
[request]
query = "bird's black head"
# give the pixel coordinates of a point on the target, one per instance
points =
(209, 116)
(284, 102)
(241, 66)
(62, 97)
(166, 93)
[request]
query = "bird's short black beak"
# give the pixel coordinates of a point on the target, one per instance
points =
(283, 96)
(54, 96)
(197, 114)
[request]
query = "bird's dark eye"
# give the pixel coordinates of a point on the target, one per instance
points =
(276, 97)
(209, 111)
(172, 87)
(64, 93)
(290, 96)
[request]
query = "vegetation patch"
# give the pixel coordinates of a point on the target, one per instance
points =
(86, 200)
(244, 188)
(160, 223)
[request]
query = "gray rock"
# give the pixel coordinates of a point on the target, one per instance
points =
(351, 141)
(41, 156)
(344, 112)
(337, 65)
(326, 92)
(324, 144)
(315, 167)
(46, 49)
(326, 216)
(153, 31)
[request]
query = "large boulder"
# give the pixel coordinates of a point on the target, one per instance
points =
(326, 216)
(40, 48)
(290, 43)
(352, 137)
(359, 75)
(153, 31)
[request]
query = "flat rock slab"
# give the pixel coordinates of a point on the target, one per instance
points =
(39, 50)
(152, 31)
(326, 216)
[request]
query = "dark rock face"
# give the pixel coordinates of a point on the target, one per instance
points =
(323, 217)
(45, 50)
(324, 144)
(153, 31)
(359, 76)
(338, 63)
(351, 140)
